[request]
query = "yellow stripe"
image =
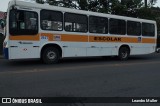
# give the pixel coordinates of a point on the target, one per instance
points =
(83, 38)
(148, 40)
(112, 39)
(25, 37)
(74, 38)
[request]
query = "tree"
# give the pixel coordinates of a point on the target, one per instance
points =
(126, 7)
(145, 2)
(105, 6)
(40, 1)
(83, 4)
(93, 5)
(151, 2)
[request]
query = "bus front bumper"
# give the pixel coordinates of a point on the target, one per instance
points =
(6, 53)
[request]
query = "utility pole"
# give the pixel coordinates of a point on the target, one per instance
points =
(145, 2)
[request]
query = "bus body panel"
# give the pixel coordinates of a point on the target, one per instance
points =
(74, 44)
(31, 49)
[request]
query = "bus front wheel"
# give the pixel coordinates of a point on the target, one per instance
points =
(50, 55)
(123, 53)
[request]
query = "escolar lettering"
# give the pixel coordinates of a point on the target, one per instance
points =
(107, 39)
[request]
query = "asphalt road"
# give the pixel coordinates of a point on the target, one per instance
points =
(82, 77)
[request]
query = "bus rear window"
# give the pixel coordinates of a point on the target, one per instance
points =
(23, 22)
(148, 29)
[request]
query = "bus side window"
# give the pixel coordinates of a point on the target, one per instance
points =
(23, 22)
(51, 20)
(117, 26)
(133, 28)
(98, 24)
(68, 28)
(75, 22)
(148, 29)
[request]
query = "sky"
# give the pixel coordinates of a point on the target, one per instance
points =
(4, 4)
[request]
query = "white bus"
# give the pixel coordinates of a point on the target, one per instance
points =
(51, 33)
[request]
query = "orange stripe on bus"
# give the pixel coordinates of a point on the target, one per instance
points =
(112, 39)
(83, 38)
(74, 38)
(148, 40)
(130, 40)
(25, 37)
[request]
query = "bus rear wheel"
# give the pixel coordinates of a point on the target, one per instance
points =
(50, 55)
(123, 53)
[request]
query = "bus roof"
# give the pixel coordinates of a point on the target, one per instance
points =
(30, 5)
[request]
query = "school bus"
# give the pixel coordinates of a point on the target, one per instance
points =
(51, 33)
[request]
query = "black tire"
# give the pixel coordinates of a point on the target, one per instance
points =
(50, 55)
(124, 53)
(158, 50)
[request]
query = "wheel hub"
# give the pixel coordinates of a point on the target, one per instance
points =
(51, 55)
(124, 54)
